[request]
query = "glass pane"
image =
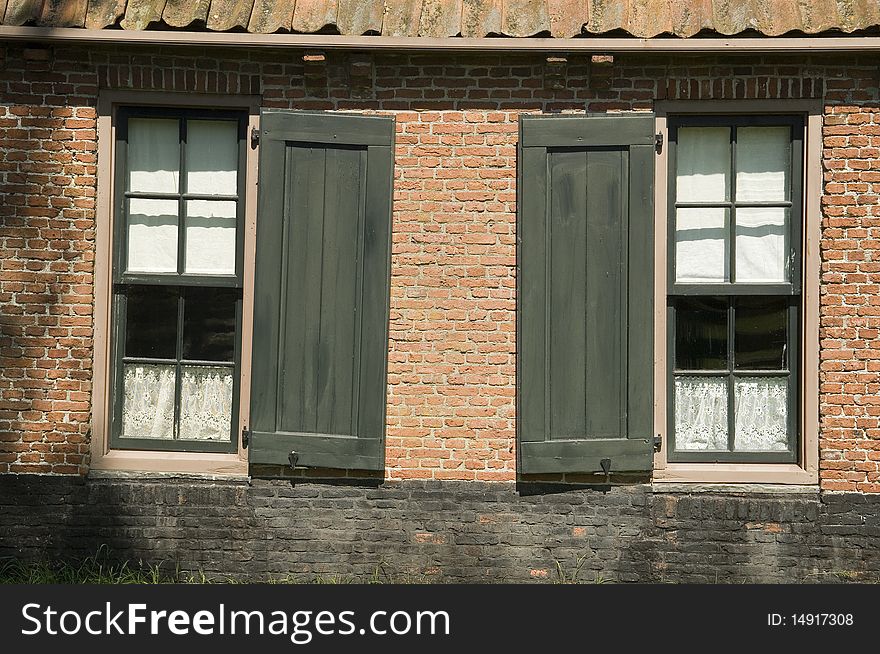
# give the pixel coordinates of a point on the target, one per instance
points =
(761, 414)
(148, 401)
(701, 249)
(152, 235)
(760, 333)
(153, 155)
(701, 334)
(700, 413)
(763, 164)
(761, 244)
(209, 324)
(210, 237)
(151, 322)
(212, 157)
(205, 404)
(703, 164)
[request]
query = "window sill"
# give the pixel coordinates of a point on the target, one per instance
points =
(735, 473)
(225, 465)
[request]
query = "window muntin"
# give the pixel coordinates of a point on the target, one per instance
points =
(734, 288)
(177, 278)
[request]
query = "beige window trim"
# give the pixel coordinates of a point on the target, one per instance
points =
(102, 457)
(807, 469)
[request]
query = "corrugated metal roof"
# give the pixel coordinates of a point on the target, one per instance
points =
(469, 18)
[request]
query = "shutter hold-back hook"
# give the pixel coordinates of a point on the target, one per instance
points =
(606, 468)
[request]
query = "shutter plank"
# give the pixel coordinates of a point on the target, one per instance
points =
(568, 272)
(275, 173)
(605, 295)
(532, 275)
(338, 286)
(372, 389)
(301, 311)
(640, 348)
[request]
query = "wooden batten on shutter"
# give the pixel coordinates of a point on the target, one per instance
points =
(584, 321)
(321, 290)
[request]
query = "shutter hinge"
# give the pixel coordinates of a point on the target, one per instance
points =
(255, 137)
(292, 458)
(245, 436)
(658, 442)
(658, 142)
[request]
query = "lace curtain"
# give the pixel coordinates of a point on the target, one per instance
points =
(205, 402)
(760, 419)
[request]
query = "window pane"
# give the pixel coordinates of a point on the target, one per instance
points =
(760, 333)
(763, 163)
(703, 164)
(761, 414)
(210, 237)
(209, 324)
(152, 235)
(700, 413)
(153, 155)
(701, 249)
(148, 401)
(205, 404)
(212, 157)
(151, 322)
(701, 334)
(761, 252)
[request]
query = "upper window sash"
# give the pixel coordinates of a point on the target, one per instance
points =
(188, 191)
(717, 193)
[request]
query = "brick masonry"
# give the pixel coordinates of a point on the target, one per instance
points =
(451, 390)
(431, 531)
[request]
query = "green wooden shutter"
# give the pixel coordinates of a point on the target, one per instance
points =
(585, 288)
(318, 381)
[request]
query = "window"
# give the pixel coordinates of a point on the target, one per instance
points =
(177, 278)
(734, 288)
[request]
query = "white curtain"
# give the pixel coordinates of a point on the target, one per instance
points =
(153, 155)
(205, 403)
(701, 245)
(761, 414)
(210, 237)
(763, 160)
(152, 235)
(148, 401)
(700, 413)
(703, 164)
(212, 157)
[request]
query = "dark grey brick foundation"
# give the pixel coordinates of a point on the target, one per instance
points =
(445, 531)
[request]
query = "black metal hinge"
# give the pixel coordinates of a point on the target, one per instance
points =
(658, 142)
(245, 436)
(255, 137)
(658, 442)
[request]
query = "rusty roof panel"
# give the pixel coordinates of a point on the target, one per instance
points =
(140, 13)
(440, 18)
(469, 18)
(357, 17)
(229, 14)
(402, 17)
(269, 16)
(64, 13)
(480, 17)
(180, 13)
(19, 12)
(312, 15)
(103, 13)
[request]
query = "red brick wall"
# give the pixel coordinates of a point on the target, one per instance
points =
(451, 404)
